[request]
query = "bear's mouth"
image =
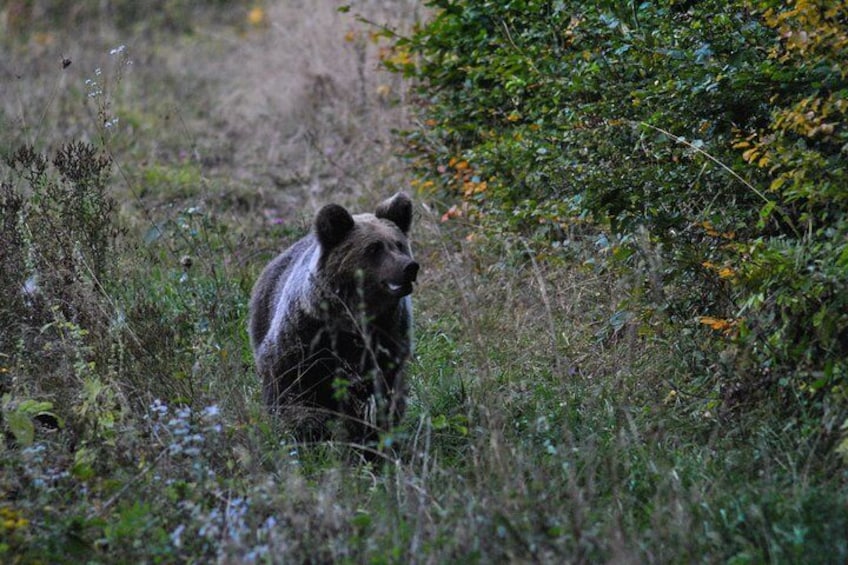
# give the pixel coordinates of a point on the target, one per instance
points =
(398, 289)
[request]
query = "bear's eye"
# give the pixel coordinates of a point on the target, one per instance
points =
(373, 249)
(400, 246)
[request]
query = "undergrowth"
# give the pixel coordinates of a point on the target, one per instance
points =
(546, 422)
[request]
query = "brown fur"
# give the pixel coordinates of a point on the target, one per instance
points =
(330, 320)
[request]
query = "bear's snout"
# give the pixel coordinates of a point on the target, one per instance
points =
(410, 272)
(401, 284)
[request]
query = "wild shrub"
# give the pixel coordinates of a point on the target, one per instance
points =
(793, 271)
(58, 230)
(11, 264)
(710, 132)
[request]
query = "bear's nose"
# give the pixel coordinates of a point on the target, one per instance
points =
(410, 272)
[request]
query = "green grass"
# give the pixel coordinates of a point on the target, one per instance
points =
(540, 426)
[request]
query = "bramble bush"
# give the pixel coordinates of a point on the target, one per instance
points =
(713, 132)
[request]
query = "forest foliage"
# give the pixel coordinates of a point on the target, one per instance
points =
(713, 132)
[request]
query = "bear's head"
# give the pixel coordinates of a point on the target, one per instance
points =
(366, 258)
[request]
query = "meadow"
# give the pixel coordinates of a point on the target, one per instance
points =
(155, 158)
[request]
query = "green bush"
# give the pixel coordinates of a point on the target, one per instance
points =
(794, 269)
(704, 128)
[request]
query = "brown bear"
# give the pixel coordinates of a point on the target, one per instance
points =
(331, 322)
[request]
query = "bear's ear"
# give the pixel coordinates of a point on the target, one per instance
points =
(332, 224)
(397, 209)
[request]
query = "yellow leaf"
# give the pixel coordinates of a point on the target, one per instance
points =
(256, 16)
(708, 228)
(750, 154)
(777, 183)
(714, 323)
